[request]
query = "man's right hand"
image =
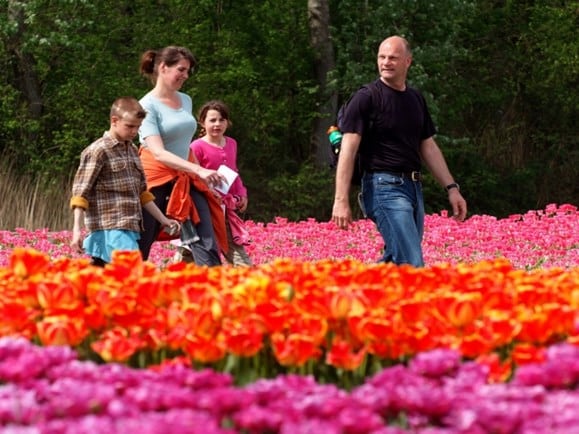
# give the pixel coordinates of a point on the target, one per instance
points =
(342, 214)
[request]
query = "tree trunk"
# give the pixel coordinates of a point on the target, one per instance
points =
(319, 25)
(23, 63)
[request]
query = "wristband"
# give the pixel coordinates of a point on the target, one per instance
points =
(451, 186)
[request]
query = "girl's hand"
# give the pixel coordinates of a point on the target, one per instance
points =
(241, 203)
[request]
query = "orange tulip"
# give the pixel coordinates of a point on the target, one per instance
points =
(311, 301)
(295, 349)
(62, 330)
(343, 356)
(204, 298)
(115, 302)
(499, 371)
(175, 361)
(79, 273)
(419, 338)
(372, 329)
(17, 319)
(176, 337)
(387, 349)
(535, 328)
(524, 353)
(573, 339)
(561, 318)
(28, 262)
(204, 350)
(243, 339)
(345, 302)
(463, 309)
(117, 345)
(23, 292)
(413, 311)
(498, 299)
(203, 324)
(154, 339)
(94, 318)
(475, 344)
(274, 315)
(380, 293)
(314, 326)
(128, 264)
(501, 326)
(58, 295)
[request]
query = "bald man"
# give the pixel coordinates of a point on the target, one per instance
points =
(395, 136)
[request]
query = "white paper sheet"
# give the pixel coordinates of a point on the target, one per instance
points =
(229, 175)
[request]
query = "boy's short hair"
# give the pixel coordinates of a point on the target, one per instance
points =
(128, 105)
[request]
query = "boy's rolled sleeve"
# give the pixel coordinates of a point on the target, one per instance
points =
(85, 178)
(146, 197)
(78, 202)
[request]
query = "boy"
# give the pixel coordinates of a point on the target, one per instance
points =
(110, 190)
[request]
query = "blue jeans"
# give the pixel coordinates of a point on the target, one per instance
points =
(205, 251)
(395, 203)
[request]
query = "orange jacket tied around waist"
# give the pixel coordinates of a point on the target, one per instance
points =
(181, 206)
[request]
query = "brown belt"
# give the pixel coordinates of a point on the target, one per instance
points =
(414, 176)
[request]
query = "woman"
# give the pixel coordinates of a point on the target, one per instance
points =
(179, 184)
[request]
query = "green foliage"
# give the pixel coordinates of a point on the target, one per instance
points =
(310, 188)
(486, 187)
(9, 123)
(517, 107)
(499, 79)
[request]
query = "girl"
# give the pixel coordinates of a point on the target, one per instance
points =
(212, 150)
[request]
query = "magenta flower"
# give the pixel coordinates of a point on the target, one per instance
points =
(436, 363)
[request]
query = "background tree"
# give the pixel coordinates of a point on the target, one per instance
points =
(500, 80)
(324, 65)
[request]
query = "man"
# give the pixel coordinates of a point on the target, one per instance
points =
(396, 142)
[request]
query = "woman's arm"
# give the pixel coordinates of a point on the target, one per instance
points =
(157, 148)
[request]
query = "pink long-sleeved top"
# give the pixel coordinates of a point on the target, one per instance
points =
(211, 157)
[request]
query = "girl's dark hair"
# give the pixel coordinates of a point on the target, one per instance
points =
(217, 105)
(171, 55)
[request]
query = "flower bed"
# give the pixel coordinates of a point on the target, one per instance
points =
(316, 337)
(47, 390)
(541, 238)
(320, 318)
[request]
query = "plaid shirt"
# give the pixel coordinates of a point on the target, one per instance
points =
(110, 185)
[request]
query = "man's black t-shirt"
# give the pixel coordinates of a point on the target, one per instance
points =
(400, 122)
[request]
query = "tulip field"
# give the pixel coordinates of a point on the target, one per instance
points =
(316, 337)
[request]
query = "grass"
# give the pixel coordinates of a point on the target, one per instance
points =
(33, 203)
